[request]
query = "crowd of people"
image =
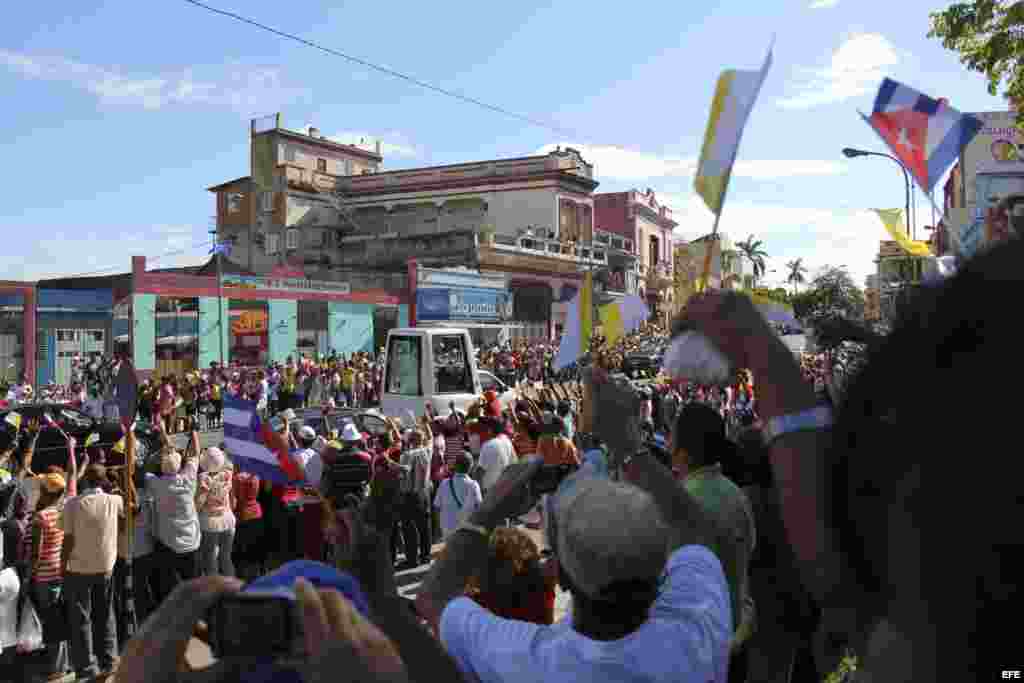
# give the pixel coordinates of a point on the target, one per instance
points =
(701, 533)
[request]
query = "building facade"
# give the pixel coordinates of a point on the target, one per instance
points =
(528, 220)
(638, 216)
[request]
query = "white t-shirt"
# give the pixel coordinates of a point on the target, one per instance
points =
(469, 495)
(495, 456)
(684, 640)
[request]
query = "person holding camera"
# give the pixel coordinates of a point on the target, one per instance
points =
(650, 597)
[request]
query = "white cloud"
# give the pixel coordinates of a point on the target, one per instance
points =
(242, 88)
(837, 237)
(392, 144)
(619, 163)
(823, 4)
(855, 69)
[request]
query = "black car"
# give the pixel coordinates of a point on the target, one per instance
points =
(367, 421)
(51, 448)
(648, 361)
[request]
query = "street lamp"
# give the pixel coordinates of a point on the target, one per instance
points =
(850, 153)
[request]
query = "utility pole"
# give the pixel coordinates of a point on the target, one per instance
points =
(217, 254)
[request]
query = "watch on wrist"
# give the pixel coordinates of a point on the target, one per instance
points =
(813, 419)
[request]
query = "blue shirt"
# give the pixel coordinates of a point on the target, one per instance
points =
(685, 639)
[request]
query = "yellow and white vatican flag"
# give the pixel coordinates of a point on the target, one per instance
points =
(735, 94)
(734, 99)
(893, 220)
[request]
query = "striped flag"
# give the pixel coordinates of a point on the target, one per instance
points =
(735, 95)
(251, 444)
(926, 134)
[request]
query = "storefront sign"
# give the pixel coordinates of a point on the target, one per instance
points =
(462, 304)
(997, 149)
(250, 322)
(283, 284)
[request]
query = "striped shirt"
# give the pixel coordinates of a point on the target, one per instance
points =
(45, 567)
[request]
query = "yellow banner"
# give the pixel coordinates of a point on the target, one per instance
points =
(611, 322)
(893, 220)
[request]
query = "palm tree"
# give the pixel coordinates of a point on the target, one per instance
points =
(796, 273)
(752, 250)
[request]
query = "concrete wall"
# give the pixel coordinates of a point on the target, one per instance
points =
(511, 211)
(338, 163)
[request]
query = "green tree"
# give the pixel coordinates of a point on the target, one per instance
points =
(753, 252)
(989, 36)
(832, 296)
(796, 273)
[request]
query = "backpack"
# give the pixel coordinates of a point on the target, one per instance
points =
(348, 474)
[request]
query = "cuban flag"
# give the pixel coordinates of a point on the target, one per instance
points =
(251, 444)
(223, 248)
(925, 134)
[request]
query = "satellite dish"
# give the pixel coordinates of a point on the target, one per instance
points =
(127, 387)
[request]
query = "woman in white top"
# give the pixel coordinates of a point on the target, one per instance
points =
(214, 504)
(457, 496)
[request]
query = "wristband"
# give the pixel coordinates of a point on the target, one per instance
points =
(813, 419)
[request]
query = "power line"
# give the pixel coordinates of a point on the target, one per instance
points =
(385, 70)
(154, 259)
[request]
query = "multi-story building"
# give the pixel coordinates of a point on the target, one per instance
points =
(291, 222)
(332, 211)
(640, 217)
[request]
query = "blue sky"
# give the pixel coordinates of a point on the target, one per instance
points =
(119, 114)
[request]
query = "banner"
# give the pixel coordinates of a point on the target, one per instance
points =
(998, 213)
(445, 304)
(894, 221)
(998, 149)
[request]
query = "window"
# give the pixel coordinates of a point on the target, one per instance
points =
(75, 418)
(404, 363)
(272, 242)
(266, 201)
(653, 253)
(452, 370)
(291, 239)
(321, 165)
(348, 167)
(289, 154)
(234, 202)
(488, 382)
(97, 335)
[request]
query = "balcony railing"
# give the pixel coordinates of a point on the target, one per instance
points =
(551, 248)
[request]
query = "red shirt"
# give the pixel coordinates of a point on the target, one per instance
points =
(286, 494)
(247, 490)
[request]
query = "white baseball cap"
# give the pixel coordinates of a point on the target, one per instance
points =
(351, 433)
(307, 433)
